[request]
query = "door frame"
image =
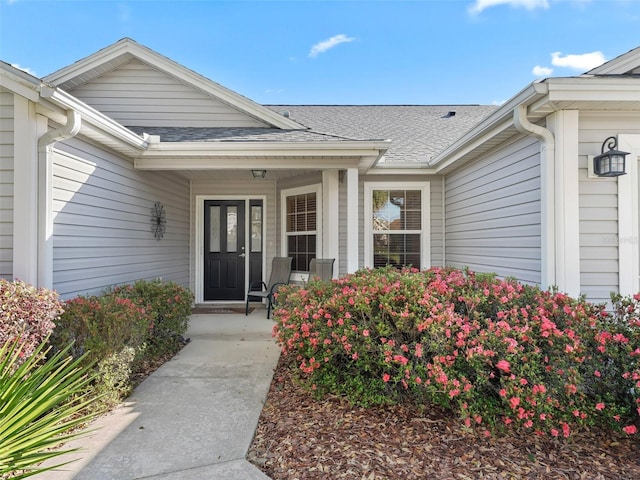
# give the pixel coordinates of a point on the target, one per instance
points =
(199, 240)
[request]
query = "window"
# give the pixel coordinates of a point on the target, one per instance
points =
(397, 224)
(301, 232)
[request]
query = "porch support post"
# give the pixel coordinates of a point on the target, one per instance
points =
(25, 187)
(330, 215)
(564, 125)
(352, 220)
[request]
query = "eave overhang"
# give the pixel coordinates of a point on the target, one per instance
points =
(587, 92)
(261, 155)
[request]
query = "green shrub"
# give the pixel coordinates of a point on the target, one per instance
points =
(27, 313)
(495, 352)
(101, 326)
(40, 401)
(123, 332)
(169, 306)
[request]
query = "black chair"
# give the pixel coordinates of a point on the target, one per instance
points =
(280, 273)
(321, 268)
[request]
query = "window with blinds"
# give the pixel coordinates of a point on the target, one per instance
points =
(396, 220)
(302, 230)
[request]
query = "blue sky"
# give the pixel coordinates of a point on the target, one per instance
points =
(337, 52)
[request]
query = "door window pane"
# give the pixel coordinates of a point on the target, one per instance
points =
(232, 229)
(214, 229)
(256, 228)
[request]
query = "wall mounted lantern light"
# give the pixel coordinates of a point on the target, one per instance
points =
(611, 163)
(258, 173)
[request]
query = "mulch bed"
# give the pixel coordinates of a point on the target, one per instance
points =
(304, 439)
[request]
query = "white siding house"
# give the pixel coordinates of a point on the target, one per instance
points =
(90, 153)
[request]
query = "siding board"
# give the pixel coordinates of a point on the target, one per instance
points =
(492, 213)
(6, 184)
(135, 94)
(101, 204)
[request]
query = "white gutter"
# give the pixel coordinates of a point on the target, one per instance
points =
(547, 192)
(45, 194)
(92, 116)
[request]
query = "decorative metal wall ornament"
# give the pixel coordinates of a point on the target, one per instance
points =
(158, 220)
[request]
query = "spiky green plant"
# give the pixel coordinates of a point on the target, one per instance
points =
(41, 401)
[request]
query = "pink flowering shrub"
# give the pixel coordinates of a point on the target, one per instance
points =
(27, 313)
(499, 354)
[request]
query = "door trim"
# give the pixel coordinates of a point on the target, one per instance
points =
(199, 236)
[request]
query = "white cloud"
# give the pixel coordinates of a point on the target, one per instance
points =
(481, 5)
(498, 103)
(325, 45)
(124, 12)
(539, 71)
(24, 69)
(586, 61)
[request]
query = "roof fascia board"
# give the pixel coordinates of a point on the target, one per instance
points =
(619, 65)
(267, 149)
(222, 163)
(494, 124)
(402, 170)
(583, 88)
(178, 71)
(93, 117)
(17, 81)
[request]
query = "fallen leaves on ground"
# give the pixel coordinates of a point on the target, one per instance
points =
(304, 439)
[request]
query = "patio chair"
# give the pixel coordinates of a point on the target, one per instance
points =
(322, 268)
(280, 273)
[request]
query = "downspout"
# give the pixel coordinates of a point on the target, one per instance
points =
(547, 193)
(45, 194)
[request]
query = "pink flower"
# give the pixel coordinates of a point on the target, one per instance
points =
(514, 402)
(599, 406)
(554, 432)
(630, 429)
(503, 392)
(504, 366)
(386, 377)
(365, 332)
(597, 373)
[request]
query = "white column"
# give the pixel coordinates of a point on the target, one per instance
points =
(25, 191)
(629, 217)
(330, 210)
(564, 125)
(352, 220)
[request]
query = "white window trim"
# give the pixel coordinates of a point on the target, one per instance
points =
(425, 244)
(317, 188)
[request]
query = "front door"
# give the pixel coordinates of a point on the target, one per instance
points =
(224, 250)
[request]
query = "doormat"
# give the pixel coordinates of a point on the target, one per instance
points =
(206, 310)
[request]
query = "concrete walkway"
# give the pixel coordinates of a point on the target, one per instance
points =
(194, 418)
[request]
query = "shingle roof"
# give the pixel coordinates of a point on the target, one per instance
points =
(418, 132)
(194, 134)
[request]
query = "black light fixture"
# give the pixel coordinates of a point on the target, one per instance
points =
(610, 164)
(258, 173)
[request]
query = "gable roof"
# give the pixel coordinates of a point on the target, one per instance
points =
(126, 49)
(417, 132)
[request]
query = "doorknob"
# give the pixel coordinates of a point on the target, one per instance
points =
(242, 255)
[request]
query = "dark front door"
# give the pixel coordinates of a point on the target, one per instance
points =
(224, 250)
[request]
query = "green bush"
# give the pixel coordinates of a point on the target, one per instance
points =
(124, 332)
(27, 313)
(495, 352)
(169, 306)
(40, 404)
